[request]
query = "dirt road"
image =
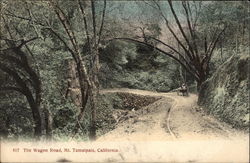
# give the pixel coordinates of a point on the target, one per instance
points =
(172, 117)
(175, 129)
(172, 129)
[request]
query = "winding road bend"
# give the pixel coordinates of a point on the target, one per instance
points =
(172, 117)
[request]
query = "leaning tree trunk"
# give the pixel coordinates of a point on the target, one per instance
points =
(27, 92)
(36, 117)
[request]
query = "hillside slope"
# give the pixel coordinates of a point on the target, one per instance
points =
(226, 93)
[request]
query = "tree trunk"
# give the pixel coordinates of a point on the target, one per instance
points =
(201, 80)
(37, 120)
(36, 113)
(93, 102)
(48, 123)
(94, 91)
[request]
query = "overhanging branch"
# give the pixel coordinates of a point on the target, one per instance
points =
(160, 50)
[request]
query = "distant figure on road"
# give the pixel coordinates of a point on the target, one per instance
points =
(183, 90)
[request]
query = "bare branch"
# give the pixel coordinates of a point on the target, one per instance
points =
(32, 21)
(160, 50)
(172, 32)
(66, 24)
(62, 40)
(179, 25)
(26, 41)
(189, 19)
(102, 22)
(93, 19)
(181, 55)
(212, 46)
(215, 42)
(22, 18)
(85, 24)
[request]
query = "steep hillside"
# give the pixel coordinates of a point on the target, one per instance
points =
(226, 93)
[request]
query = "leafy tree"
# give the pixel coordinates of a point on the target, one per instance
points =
(63, 27)
(194, 55)
(235, 15)
(13, 58)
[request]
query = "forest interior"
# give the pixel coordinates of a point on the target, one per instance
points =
(103, 70)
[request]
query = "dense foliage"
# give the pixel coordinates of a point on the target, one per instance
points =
(37, 30)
